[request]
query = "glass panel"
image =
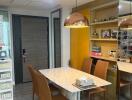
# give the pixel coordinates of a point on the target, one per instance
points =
(4, 34)
(125, 33)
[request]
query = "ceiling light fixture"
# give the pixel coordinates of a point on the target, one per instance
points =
(76, 20)
(126, 23)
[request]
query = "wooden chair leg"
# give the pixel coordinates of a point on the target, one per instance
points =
(118, 84)
(33, 95)
(130, 91)
(93, 97)
(104, 96)
(89, 96)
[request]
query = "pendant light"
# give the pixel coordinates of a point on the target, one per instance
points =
(76, 20)
(126, 23)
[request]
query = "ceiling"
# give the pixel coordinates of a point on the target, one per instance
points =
(41, 4)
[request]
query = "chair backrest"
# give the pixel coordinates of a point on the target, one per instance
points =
(87, 63)
(43, 87)
(101, 69)
(34, 80)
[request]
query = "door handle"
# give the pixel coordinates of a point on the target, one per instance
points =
(24, 55)
(23, 51)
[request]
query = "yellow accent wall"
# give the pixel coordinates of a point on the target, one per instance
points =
(80, 43)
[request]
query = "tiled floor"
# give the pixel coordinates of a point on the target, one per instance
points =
(24, 92)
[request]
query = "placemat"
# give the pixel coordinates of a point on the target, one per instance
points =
(84, 87)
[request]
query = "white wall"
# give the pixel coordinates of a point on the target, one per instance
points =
(65, 39)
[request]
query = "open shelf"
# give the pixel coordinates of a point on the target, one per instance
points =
(7, 66)
(105, 22)
(104, 58)
(5, 80)
(6, 90)
(114, 40)
(103, 6)
(5, 69)
(104, 26)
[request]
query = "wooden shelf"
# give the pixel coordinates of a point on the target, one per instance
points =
(114, 40)
(5, 80)
(104, 11)
(6, 90)
(104, 58)
(5, 70)
(105, 22)
(105, 5)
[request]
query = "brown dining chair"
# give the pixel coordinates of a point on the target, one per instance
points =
(87, 63)
(34, 81)
(53, 89)
(101, 72)
(44, 90)
(122, 83)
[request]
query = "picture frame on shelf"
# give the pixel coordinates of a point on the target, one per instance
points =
(106, 33)
(95, 35)
(114, 34)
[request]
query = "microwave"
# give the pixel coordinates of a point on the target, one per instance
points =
(3, 54)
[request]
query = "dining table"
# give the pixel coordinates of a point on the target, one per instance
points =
(65, 78)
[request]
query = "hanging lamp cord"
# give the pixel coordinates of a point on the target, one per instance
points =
(130, 9)
(76, 5)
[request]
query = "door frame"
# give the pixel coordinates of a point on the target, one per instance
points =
(52, 36)
(55, 43)
(17, 45)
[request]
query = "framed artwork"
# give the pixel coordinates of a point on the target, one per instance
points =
(106, 33)
(114, 34)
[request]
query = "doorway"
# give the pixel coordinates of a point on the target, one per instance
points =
(56, 37)
(31, 46)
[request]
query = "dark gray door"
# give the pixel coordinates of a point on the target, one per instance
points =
(57, 42)
(34, 44)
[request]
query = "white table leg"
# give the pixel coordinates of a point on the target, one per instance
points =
(71, 96)
(78, 95)
(74, 96)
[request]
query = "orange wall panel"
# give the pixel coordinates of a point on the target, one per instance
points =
(80, 41)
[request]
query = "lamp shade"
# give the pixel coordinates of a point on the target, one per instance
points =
(76, 20)
(126, 23)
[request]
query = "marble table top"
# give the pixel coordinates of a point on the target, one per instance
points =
(66, 76)
(125, 67)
